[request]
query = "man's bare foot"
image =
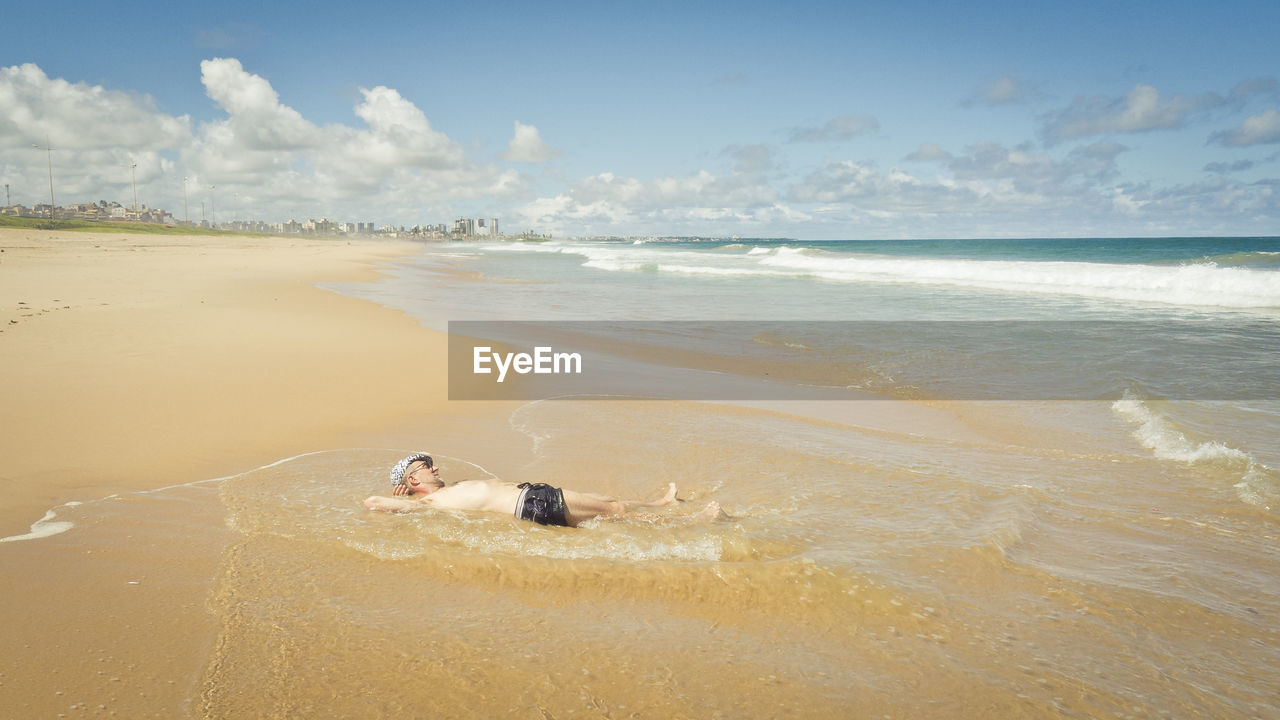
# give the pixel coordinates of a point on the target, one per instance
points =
(668, 499)
(711, 512)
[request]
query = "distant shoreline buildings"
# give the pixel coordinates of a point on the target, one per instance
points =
(108, 212)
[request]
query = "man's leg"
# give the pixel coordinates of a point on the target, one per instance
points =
(581, 507)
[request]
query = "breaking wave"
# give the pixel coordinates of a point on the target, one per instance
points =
(1200, 284)
(1154, 431)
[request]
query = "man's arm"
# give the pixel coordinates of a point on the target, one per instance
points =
(396, 504)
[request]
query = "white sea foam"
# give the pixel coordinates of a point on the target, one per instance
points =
(1196, 285)
(720, 271)
(44, 527)
(616, 544)
(485, 536)
(1166, 442)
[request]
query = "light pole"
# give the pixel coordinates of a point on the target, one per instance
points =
(133, 173)
(213, 205)
(49, 151)
(186, 216)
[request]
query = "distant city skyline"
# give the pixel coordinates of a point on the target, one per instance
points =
(107, 212)
(810, 120)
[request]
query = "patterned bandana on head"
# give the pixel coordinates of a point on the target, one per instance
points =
(397, 472)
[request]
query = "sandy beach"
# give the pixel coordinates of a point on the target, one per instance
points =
(138, 363)
(141, 362)
(190, 425)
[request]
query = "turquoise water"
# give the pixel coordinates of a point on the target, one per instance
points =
(1260, 252)
(1191, 320)
(900, 280)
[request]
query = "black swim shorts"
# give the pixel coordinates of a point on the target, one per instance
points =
(542, 504)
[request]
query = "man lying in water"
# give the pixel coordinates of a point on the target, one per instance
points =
(415, 481)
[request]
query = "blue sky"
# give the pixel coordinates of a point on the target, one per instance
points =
(809, 120)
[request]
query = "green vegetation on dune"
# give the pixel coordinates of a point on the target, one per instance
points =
(114, 227)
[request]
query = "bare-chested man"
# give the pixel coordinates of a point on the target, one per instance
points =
(416, 481)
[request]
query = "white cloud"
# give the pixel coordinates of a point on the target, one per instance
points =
(1004, 90)
(1143, 109)
(259, 148)
(991, 160)
(840, 128)
(698, 203)
(1233, 167)
(77, 116)
(751, 159)
(399, 135)
(1264, 86)
(1140, 110)
(257, 120)
(859, 191)
(265, 159)
(1017, 189)
(528, 146)
(397, 164)
(1260, 129)
(989, 189)
(699, 190)
(1097, 160)
(928, 152)
(1215, 205)
(391, 165)
(97, 135)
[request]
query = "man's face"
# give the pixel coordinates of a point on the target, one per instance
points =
(419, 478)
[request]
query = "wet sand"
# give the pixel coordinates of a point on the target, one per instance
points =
(138, 363)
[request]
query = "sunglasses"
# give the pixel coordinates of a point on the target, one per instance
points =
(426, 465)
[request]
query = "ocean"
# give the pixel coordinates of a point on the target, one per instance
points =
(996, 478)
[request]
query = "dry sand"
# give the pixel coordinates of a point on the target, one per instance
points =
(135, 363)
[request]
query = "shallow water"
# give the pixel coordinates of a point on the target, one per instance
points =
(1108, 553)
(861, 571)
(1041, 562)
